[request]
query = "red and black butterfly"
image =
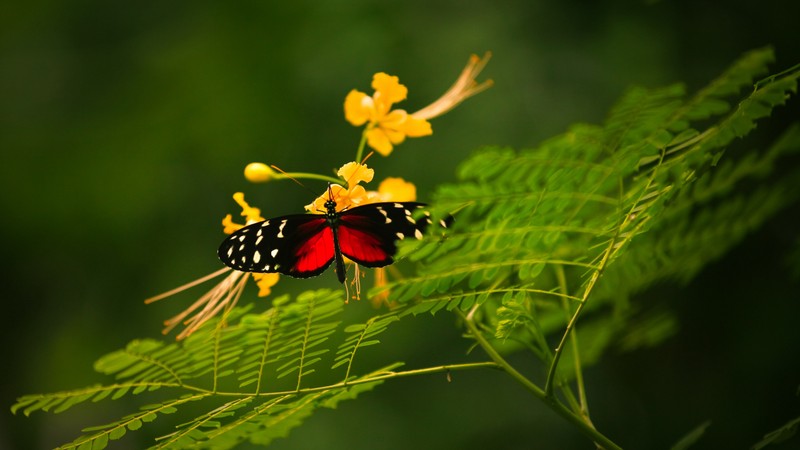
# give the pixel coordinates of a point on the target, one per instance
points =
(304, 245)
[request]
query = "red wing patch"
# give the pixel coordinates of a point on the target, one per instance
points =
(365, 247)
(313, 254)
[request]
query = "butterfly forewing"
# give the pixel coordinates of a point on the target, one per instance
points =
(299, 245)
(368, 234)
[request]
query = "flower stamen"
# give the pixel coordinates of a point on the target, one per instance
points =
(464, 88)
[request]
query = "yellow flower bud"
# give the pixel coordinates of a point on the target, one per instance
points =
(258, 172)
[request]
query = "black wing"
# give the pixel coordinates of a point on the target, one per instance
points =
(299, 245)
(368, 234)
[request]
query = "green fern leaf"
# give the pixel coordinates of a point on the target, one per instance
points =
(604, 201)
(240, 349)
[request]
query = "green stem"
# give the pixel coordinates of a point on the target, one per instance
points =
(551, 373)
(369, 379)
(584, 405)
(548, 387)
(550, 401)
(361, 145)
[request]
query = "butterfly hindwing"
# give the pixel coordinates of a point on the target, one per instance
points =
(368, 234)
(299, 245)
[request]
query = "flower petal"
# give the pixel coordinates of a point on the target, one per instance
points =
(343, 198)
(358, 108)
(394, 125)
(402, 122)
(318, 205)
(394, 189)
(253, 215)
(388, 87)
(229, 226)
(417, 127)
(378, 140)
(357, 195)
(354, 173)
(265, 281)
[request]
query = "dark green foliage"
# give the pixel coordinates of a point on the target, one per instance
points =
(543, 237)
(691, 438)
(600, 213)
(780, 435)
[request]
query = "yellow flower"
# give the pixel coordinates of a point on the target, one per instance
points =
(251, 214)
(344, 198)
(224, 295)
(265, 281)
(391, 189)
(385, 127)
(354, 195)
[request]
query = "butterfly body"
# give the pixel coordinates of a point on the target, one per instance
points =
(304, 245)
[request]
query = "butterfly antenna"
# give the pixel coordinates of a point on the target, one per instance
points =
(292, 178)
(330, 191)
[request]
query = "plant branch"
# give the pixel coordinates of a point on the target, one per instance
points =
(584, 405)
(553, 403)
(380, 376)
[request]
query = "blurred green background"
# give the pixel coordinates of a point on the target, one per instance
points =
(125, 127)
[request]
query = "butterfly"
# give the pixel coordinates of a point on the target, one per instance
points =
(304, 245)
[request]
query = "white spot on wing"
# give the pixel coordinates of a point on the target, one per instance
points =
(443, 223)
(417, 234)
(280, 228)
(385, 214)
(230, 251)
(400, 235)
(411, 219)
(256, 257)
(274, 253)
(398, 205)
